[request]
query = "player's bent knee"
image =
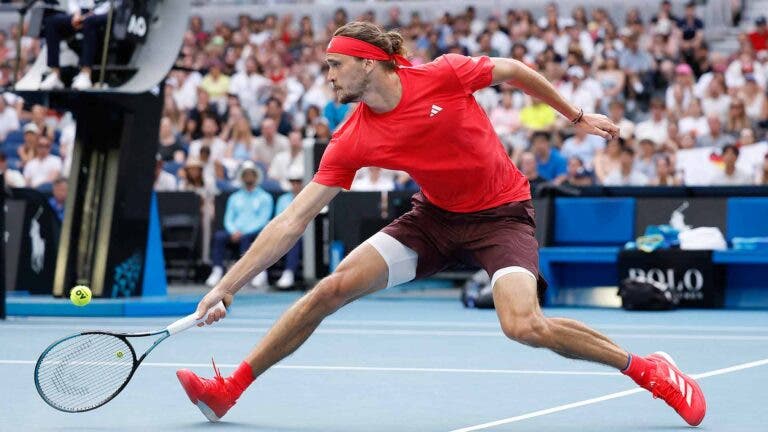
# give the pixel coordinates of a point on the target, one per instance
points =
(330, 293)
(530, 330)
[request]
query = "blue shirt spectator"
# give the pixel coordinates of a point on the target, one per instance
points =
(248, 211)
(335, 113)
(549, 162)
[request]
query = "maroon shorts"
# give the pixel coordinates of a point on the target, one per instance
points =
(493, 239)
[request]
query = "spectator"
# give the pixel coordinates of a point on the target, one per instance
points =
(45, 167)
(13, 178)
(59, 197)
(680, 94)
(9, 119)
(242, 144)
(538, 116)
(612, 80)
(761, 177)
(745, 64)
(691, 27)
(285, 161)
(293, 257)
(373, 180)
(577, 175)
(216, 83)
(646, 160)
(550, 164)
(210, 139)
(528, 168)
(616, 114)
(584, 146)
(164, 181)
(506, 119)
(248, 211)
(716, 101)
(581, 90)
(171, 147)
(270, 142)
(755, 101)
(664, 20)
(694, 121)
(759, 36)
(203, 108)
(335, 112)
(746, 137)
(82, 16)
(250, 86)
(626, 175)
(731, 175)
(193, 179)
(737, 118)
(665, 174)
(27, 150)
(716, 137)
(655, 128)
(39, 114)
(608, 160)
(281, 118)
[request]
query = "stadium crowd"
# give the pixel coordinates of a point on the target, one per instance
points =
(256, 91)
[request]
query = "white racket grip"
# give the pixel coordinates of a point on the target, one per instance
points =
(191, 321)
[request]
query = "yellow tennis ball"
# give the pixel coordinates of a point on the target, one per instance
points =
(80, 295)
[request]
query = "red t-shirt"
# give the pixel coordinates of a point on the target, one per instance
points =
(437, 133)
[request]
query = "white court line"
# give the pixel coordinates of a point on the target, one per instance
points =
(53, 321)
(393, 332)
(360, 368)
(616, 395)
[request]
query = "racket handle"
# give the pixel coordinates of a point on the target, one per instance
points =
(191, 321)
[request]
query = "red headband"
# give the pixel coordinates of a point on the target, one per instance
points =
(357, 48)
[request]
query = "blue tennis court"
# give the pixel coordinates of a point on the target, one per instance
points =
(408, 363)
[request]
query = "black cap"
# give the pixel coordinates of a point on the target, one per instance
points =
(760, 20)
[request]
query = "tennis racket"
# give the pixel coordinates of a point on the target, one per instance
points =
(85, 371)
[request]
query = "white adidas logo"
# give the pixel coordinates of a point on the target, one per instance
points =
(685, 388)
(435, 109)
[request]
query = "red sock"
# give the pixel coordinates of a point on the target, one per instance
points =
(242, 377)
(637, 368)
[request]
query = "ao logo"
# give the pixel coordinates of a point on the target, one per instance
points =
(137, 25)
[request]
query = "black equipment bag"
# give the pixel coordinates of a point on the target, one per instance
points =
(641, 294)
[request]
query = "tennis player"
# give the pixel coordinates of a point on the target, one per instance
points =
(474, 206)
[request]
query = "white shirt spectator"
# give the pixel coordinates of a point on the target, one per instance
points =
(652, 130)
(265, 152)
(635, 178)
(282, 164)
(734, 75)
(217, 145)
(166, 182)
(716, 106)
(739, 177)
(185, 95)
(14, 179)
(9, 121)
(699, 125)
(373, 182)
(39, 171)
(249, 90)
(587, 94)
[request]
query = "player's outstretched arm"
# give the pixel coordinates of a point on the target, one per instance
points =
(533, 83)
(274, 241)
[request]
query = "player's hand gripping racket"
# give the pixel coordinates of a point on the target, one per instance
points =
(84, 371)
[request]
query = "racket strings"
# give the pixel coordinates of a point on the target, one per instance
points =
(84, 372)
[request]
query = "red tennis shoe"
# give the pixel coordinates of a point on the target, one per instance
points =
(214, 397)
(678, 390)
